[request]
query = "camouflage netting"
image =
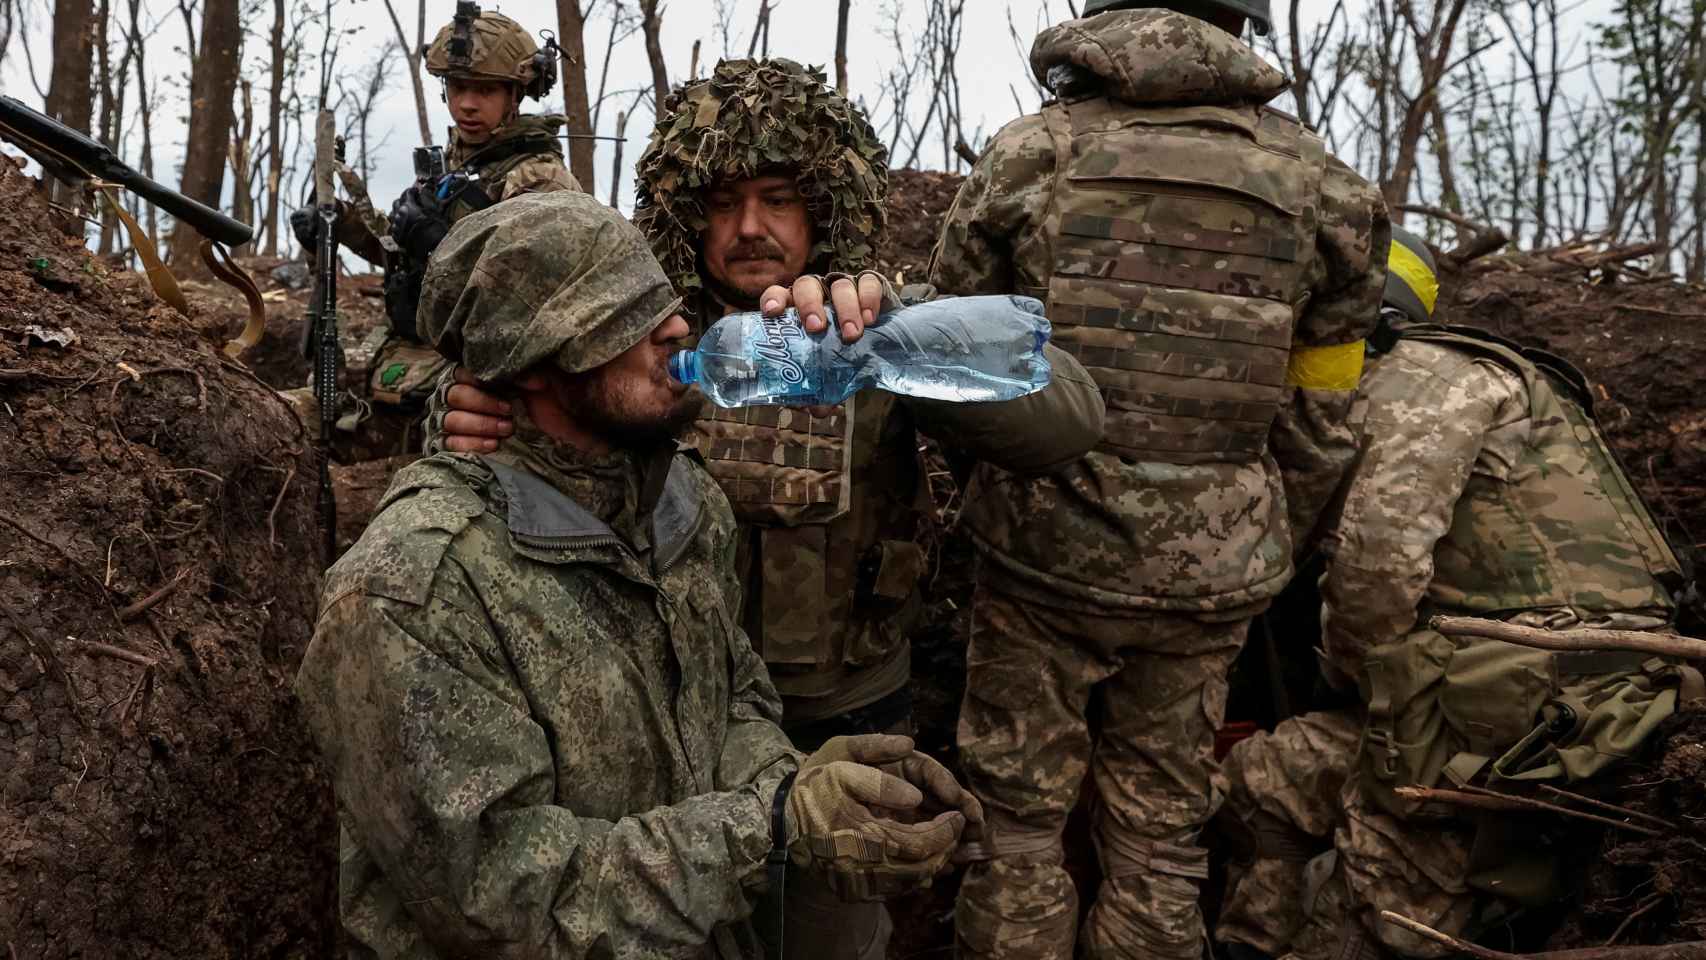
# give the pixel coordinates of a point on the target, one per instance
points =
(746, 120)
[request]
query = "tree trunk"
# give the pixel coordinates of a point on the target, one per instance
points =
(412, 57)
(1449, 197)
(242, 166)
(652, 25)
(841, 47)
(616, 164)
(146, 108)
(275, 121)
(571, 35)
(1433, 47)
(1697, 264)
(70, 97)
(1300, 77)
(109, 123)
(213, 84)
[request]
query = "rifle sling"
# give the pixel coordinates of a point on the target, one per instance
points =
(227, 270)
(159, 275)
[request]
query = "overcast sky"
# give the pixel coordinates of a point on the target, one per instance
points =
(993, 70)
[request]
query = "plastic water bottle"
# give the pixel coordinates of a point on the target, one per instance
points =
(964, 349)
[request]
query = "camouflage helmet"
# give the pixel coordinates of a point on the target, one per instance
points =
(753, 118)
(489, 46)
(1256, 11)
(542, 277)
(1412, 279)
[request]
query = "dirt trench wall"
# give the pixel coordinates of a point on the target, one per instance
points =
(159, 796)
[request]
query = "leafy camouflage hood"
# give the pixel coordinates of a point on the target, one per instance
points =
(1156, 56)
(543, 276)
(754, 118)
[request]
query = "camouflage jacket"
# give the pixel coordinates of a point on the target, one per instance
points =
(841, 642)
(1132, 532)
(523, 156)
(547, 732)
(1483, 488)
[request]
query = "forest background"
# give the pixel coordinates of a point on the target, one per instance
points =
(1549, 122)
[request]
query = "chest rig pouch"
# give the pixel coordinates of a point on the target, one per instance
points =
(787, 475)
(1181, 240)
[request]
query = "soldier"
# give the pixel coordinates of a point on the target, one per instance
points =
(1217, 271)
(1484, 488)
(755, 178)
(547, 731)
(487, 64)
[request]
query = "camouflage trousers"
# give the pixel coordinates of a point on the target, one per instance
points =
(1327, 860)
(1132, 703)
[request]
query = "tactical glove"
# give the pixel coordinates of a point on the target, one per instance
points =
(850, 820)
(895, 756)
(419, 221)
(305, 223)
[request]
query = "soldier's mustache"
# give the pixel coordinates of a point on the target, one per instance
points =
(755, 250)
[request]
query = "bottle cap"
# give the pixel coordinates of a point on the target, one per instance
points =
(684, 366)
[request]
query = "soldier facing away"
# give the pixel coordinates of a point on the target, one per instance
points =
(548, 734)
(754, 179)
(1483, 488)
(488, 64)
(1216, 270)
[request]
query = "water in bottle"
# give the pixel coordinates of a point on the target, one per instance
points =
(964, 349)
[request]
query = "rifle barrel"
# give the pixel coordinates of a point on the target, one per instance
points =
(94, 158)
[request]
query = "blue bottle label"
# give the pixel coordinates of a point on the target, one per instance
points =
(774, 347)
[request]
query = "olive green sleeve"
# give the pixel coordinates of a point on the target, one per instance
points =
(1036, 433)
(444, 778)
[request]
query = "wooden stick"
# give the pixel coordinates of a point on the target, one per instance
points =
(142, 606)
(117, 653)
(1659, 822)
(1663, 313)
(1482, 799)
(1692, 950)
(1636, 641)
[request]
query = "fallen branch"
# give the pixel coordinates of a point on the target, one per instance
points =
(117, 653)
(1477, 239)
(1637, 641)
(1659, 822)
(1693, 950)
(137, 609)
(1478, 798)
(1631, 308)
(1440, 213)
(1640, 911)
(272, 515)
(1585, 257)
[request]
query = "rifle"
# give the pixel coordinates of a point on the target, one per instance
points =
(324, 317)
(78, 160)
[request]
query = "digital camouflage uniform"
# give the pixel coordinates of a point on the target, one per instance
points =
(1482, 488)
(832, 509)
(392, 370)
(1216, 271)
(548, 734)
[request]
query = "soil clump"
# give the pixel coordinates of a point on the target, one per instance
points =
(159, 795)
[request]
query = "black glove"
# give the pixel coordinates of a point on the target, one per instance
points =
(305, 223)
(419, 221)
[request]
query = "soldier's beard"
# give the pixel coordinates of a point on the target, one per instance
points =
(629, 414)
